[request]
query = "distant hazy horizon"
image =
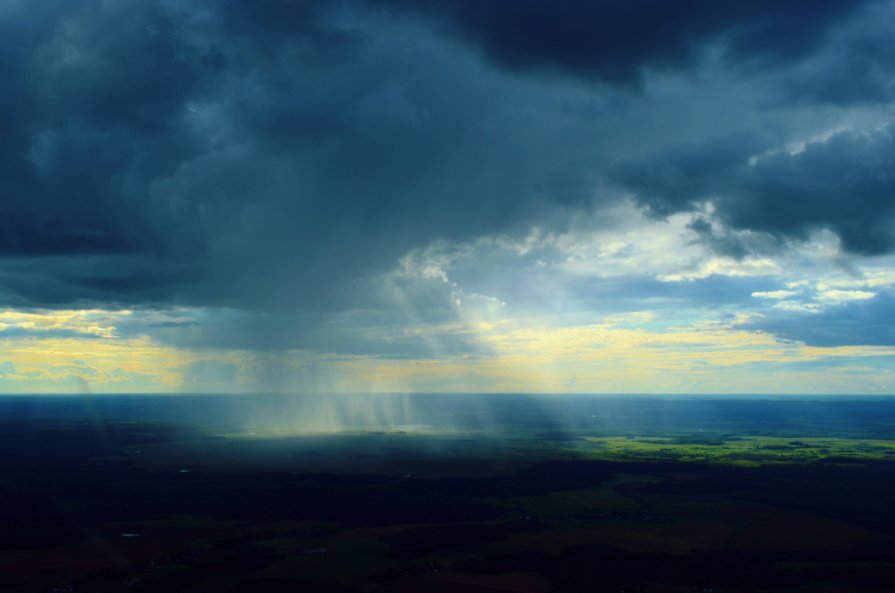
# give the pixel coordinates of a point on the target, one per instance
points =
(488, 415)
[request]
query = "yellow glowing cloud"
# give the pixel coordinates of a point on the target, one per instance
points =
(629, 352)
(76, 350)
(86, 321)
(707, 357)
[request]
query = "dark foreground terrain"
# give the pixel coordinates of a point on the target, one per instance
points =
(447, 493)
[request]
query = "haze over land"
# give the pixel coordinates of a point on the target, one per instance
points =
(385, 195)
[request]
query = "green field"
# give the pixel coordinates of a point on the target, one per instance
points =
(735, 450)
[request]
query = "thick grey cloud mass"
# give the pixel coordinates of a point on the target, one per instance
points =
(870, 322)
(246, 155)
(845, 183)
(276, 154)
(617, 41)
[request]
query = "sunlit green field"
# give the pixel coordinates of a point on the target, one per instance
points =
(735, 450)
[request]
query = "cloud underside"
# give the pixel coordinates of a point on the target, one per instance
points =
(226, 154)
(342, 178)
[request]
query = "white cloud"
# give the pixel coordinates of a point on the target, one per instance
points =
(774, 294)
(842, 296)
(798, 307)
(726, 266)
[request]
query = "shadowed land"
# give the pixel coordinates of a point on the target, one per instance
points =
(537, 494)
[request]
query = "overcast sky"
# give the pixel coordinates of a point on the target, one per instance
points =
(447, 195)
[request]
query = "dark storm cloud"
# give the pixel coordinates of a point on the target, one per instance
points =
(855, 74)
(267, 154)
(845, 183)
(359, 334)
(737, 245)
(681, 176)
(224, 153)
(858, 323)
(616, 41)
(88, 97)
(853, 68)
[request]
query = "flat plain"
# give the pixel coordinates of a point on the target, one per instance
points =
(695, 499)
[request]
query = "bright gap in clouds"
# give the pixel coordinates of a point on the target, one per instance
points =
(543, 312)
